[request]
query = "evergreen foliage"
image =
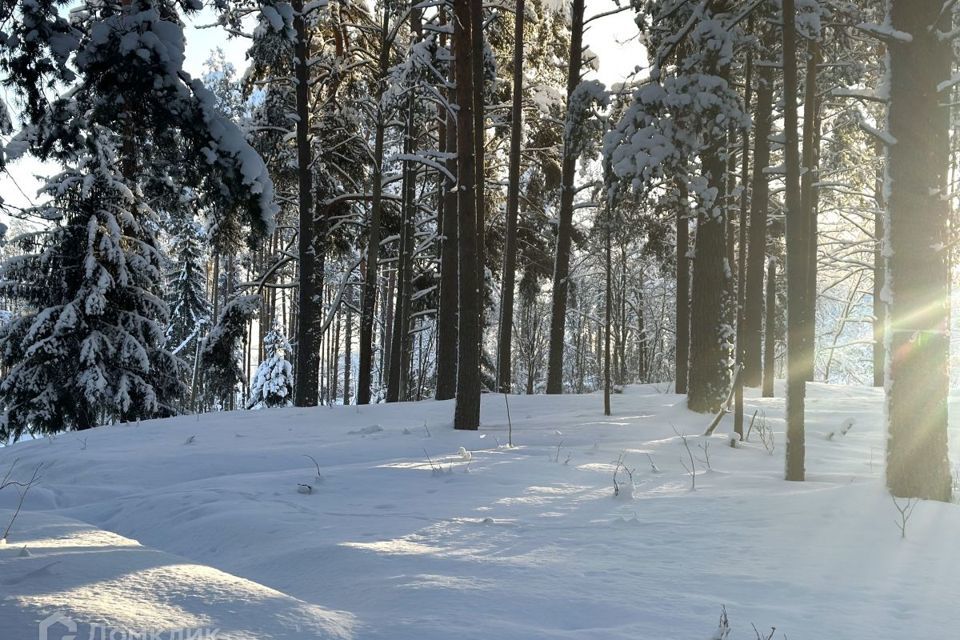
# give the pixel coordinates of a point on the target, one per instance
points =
(272, 384)
(90, 349)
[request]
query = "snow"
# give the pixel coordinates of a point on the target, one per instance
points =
(132, 527)
(74, 568)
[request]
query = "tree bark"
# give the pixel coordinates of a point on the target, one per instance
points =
(476, 41)
(467, 413)
(513, 205)
(608, 294)
(561, 269)
(387, 323)
(347, 353)
(879, 277)
(682, 351)
(711, 335)
(709, 374)
(808, 199)
(916, 247)
(307, 383)
(757, 246)
(798, 349)
(400, 347)
(770, 331)
(368, 309)
(447, 312)
(742, 247)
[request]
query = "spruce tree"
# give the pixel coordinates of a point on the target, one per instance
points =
(272, 384)
(187, 296)
(90, 350)
(221, 354)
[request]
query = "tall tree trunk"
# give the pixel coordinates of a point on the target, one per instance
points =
(397, 386)
(916, 241)
(447, 311)
(409, 237)
(879, 277)
(642, 370)
(467, 414)
(307, 381)
(608, 295)
(808, 199)
(682, 351)
(347, 353)
(368, 309)
(513, 207)
(711, 336)
(561, 268)
(333, 357)
(399, 348)
(798, 228)
(757, 246)
(479, 133)
(742, 246)
(709, 342)
(770, 331)
(387, 338)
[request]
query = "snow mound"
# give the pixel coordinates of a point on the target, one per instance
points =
(94, 578)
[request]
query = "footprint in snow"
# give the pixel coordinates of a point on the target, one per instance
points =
(366, 431)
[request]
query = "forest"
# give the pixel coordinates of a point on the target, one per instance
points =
(402, 200)
(513, 319)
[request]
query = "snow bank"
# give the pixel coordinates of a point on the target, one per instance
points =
(513, 543)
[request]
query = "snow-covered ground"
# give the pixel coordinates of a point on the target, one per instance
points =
(203, 523)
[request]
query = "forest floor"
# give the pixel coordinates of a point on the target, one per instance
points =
(204, 523)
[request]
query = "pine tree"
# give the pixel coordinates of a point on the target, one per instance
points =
(561, 268)
(753, 312)
(505, 341)
(272, 384)
(677, 129)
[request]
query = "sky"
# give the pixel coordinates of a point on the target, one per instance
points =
(612, 39)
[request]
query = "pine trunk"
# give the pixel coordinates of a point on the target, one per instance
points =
(753, 307)
(917, 232)
(808, 200)
(879, 276)
(347, 354)
(561, 269)
(449, 286)
(479, 133)
(770, 331)
(711, 334)
(368, 309)
(307, 381)
(400, 347)
(742, 247)
(710, 342)
(608, 295)
(798, 228)
(504, 360)
(682, 350)
(467, 414)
